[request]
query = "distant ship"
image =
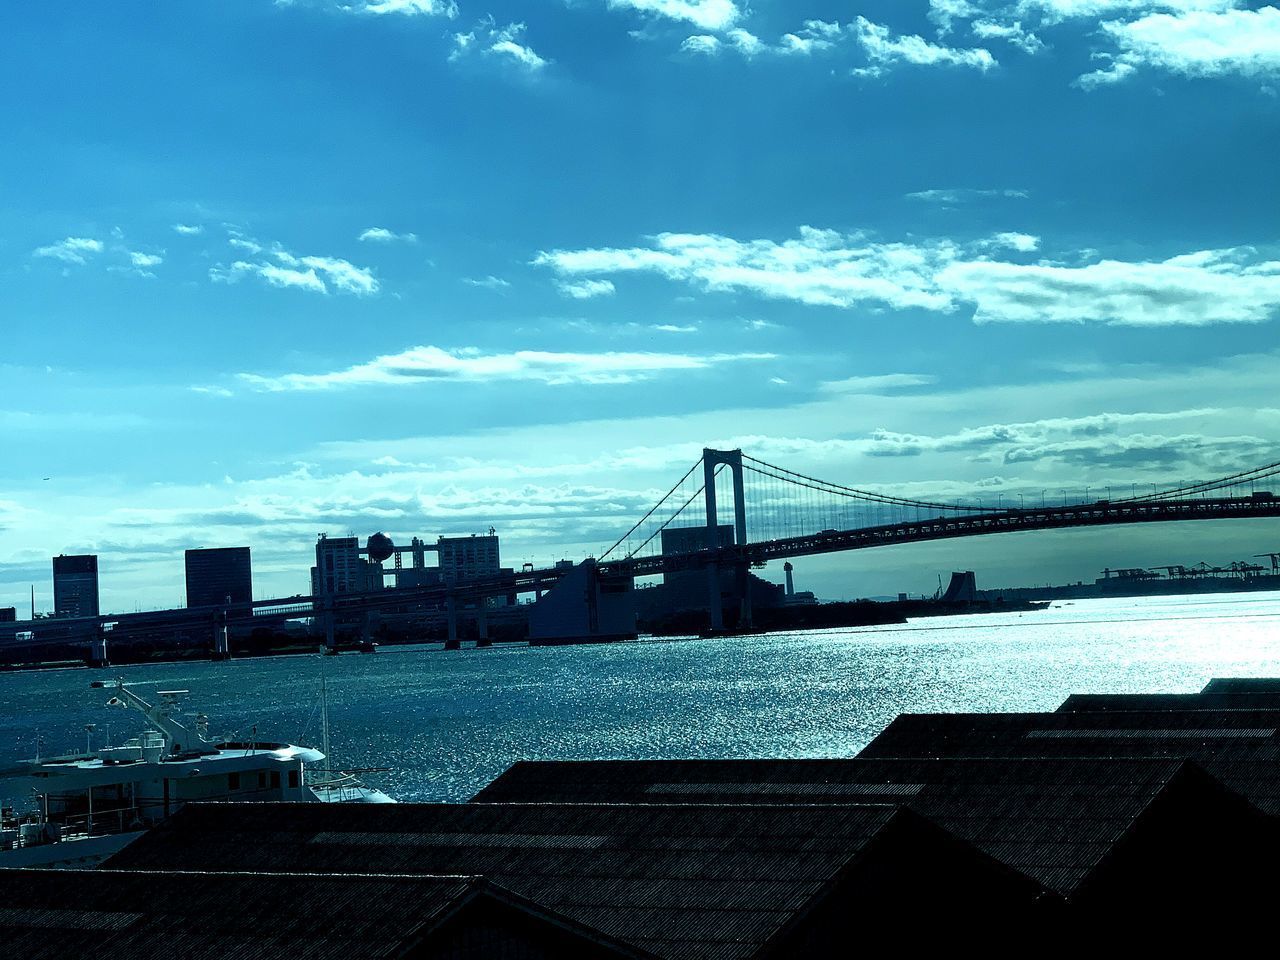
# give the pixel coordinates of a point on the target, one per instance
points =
(76, 810)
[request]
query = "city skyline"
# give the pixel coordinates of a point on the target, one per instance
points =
(270, 269)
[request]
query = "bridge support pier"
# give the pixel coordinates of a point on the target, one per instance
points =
(742, 577)
(714, 600)
(97, 649)
(585, 606)
(221, 640)
(451, 611)
(482, 623)
(330, 634)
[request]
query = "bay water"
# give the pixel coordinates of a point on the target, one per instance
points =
(440, 724)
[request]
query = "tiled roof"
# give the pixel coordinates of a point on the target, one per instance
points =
(1052, 819)
(58, 914)
(679, 881)
(1240, 734)
(1090, 702)
(1243, 685)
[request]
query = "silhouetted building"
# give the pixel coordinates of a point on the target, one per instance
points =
(75, 586)
(417, 574)
(8, 614)
(963, 588)
(468, 558)
(219, 576)
(341, 569)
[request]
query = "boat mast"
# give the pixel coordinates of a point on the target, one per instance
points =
(324, 723)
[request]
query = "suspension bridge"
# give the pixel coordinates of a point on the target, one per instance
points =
(729, 513)
(775, 513)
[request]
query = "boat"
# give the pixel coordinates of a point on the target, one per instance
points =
(77, 810)
(339, 786)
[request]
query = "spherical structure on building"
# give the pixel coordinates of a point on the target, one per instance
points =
(380, 547)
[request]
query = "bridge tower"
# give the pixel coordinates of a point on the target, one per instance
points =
(711, 460)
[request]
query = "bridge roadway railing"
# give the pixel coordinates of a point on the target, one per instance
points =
(277, 610)
(1100, 513)
(261, 612)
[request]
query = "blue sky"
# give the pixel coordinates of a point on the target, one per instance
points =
(272, 268)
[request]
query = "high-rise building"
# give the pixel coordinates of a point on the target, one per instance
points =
(340, 568)
(219, 576)
(8, 614)
(467, 558)
(75, 586)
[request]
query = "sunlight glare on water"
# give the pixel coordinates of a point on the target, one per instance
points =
(445, 723)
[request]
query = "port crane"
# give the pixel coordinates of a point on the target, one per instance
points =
(1273, 557)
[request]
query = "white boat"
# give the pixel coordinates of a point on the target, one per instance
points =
(76, 810)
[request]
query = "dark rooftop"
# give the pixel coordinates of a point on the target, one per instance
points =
(678, 881)
(1052, 819)
(1240, 734)
(1092, 702)
(1243, 685)
(1239, 748)
(59, 914)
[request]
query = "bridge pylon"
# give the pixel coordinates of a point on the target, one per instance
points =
(712, 460)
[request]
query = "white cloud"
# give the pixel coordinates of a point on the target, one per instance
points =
(1051, 12)
(1194, 44)
(70, 250)
(877, 42)
(1021, 242)
(383, 235)
(965, 195)
(428, 364)
(312, 273)
(820, 267)
(1013, 33)
(243, 243)
(139, 264)
(881, 383)
(144, 260)
(748, 44)
(705, 14)
(1217, 286)
(587, 289)
(827, 268)
(487, 39)
(884, 49)
(702, 43)
(489, 283)
(1057, 10)
(188, 230)
(408, 8)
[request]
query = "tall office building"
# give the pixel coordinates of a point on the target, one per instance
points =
(219, 576)
(340, 568)
(467, 558)
(75, 586)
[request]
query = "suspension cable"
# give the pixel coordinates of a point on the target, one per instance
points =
(1257, 473)
(825, 486)
(653, 510)
(669, 519)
